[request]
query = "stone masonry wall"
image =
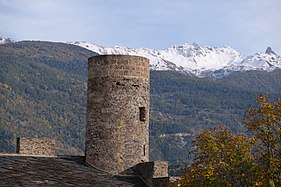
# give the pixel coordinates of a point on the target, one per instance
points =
(36, 146)
(160, 169)
(117, 112)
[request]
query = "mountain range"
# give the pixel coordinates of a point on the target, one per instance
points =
(196, 60)
(192, 59)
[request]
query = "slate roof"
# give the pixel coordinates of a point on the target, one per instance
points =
(23, 171)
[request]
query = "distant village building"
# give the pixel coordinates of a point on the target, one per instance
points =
(117, 135)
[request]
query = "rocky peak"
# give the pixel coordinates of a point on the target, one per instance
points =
(270, 51)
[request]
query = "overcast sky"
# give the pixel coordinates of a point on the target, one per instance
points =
(249, 26)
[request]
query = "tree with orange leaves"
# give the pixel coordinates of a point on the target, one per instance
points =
(264, 124)
(223, 159)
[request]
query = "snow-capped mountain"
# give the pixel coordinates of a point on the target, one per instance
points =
(264, 61)
(4, 40)
(201, 61)
(193, 59)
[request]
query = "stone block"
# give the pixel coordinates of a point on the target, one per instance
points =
(36, 146)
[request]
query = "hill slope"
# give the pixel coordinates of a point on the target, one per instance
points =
(182, 106)
(43, 92)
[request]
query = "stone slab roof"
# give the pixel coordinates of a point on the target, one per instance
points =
(23, 171)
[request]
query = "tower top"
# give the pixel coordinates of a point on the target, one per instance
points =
(118, 66)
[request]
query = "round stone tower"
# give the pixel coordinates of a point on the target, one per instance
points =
(117, 112)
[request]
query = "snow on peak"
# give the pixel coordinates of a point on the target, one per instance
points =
(200, 58)
(4, 40)
(191, 58)
(267, 61)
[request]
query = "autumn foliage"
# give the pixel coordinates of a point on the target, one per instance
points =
(225, 159)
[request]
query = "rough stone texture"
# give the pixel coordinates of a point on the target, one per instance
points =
(30, 171)
(36, 146)
(118, 112)
(160, 169)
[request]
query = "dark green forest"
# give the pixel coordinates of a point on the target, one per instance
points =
(43, 94)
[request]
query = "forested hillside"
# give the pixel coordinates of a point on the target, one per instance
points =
(43, 94)
(260, 81)
(183, 106)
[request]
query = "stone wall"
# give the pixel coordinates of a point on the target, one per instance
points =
(36, 146)
(119, 66)
(117, 112)
(160, 169)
